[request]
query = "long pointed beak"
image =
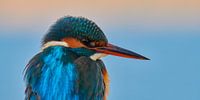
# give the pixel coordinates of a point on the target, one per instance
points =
(118, 51)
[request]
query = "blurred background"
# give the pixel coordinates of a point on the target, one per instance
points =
(167, 31)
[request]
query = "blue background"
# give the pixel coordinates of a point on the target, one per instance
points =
(171, 39)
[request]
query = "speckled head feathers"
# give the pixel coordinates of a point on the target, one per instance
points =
(76, 27)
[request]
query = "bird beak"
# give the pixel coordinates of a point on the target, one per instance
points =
(118, 51)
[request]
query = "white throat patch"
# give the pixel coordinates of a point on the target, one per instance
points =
(97, 56)
(54, 43)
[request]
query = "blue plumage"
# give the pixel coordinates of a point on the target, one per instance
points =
(56, 74)
(68, 66)
(56, 77)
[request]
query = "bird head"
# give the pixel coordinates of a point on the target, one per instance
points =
(85, 38)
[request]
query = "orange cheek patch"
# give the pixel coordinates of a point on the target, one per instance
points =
(73, 43)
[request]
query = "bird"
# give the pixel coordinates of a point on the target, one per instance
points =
(69, 65)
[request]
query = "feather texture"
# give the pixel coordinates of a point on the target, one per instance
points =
(59, 73)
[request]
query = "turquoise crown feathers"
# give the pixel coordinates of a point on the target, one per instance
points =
(76, 27)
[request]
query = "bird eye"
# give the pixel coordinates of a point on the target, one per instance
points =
(88, 43)
(92, 44)
(85, 41)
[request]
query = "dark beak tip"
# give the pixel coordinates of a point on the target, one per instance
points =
(144, 58)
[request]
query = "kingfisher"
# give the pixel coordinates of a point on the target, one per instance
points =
(68, 66)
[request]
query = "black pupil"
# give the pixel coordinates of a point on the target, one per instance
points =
(88, 43)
